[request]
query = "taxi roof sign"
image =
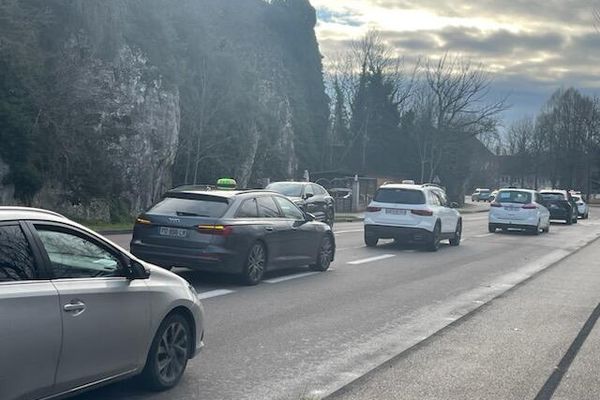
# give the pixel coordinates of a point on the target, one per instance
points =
(226, 183)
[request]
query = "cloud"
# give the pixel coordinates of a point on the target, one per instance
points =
(531, 46)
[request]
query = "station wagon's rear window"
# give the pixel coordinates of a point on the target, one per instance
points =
(206, 206)
(399, 196)
(514, 196)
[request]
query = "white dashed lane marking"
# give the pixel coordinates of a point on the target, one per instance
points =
(371, 259)
(214, 293)
(290, 277)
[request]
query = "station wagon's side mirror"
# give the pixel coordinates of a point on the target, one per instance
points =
(308, 196)
(310, 217)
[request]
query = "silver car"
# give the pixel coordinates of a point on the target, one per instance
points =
(77, 311)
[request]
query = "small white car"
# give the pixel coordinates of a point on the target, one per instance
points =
(520, 209)
(582, 206)
(412, 213)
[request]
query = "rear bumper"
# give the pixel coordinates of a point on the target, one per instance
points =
(399, 233)
(212, 259)
(521, 226)
(559, 214)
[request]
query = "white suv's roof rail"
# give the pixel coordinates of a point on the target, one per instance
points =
(30, 209)
(432, 185)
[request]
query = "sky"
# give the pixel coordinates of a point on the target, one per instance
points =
(531, 47)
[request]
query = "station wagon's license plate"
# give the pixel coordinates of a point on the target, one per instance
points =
(173, 232)
(511, 208)
(393, 211)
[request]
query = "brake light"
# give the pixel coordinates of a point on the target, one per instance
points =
(530, 206)
(422, 213)
(143, 221)
(494, 204)
(220, 230)
(373, 209)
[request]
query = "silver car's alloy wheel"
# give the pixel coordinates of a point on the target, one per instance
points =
(172, 353)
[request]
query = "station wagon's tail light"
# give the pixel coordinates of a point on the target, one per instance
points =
(494, 204)
(373, 209)
(220, 230)
(143, 221)
(530, 206)
(422, 213)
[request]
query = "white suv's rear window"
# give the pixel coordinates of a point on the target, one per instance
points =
(514, 196)
(399, 196)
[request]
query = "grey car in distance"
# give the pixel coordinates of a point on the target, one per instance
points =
(78, 312)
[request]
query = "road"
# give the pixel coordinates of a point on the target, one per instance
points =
(302, 335)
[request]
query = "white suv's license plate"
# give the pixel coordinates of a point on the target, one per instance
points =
(174, 232)
(510, 208)
(394, 211)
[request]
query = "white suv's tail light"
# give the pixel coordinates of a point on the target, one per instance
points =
(422, 213)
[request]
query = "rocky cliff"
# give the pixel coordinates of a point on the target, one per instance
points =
(119, 100)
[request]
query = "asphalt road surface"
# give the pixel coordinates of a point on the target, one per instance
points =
(303, 335)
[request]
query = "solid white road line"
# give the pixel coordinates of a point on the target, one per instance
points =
(371, 259)
(214, 293)
(290, 277)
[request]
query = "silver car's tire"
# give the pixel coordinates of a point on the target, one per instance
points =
(169, 354)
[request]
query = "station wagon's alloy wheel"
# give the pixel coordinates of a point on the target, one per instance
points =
(169, 354)
(325, 255)
(255, 264)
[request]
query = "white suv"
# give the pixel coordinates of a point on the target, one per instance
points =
(412, 213)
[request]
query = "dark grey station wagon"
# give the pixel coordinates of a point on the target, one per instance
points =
(231, 231)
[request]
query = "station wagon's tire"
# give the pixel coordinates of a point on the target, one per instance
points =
(169, 354)
(536, 231)
(325, 255)
(569, 221)
(491, 228)
(434, 242)
(455, 241)
(586, 216)
(256, 264)
(370, 240)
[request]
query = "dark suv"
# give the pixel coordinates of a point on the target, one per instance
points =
(240, 232)
(310, 197)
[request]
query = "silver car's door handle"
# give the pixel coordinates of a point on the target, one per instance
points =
(269, 229)
(74, 307)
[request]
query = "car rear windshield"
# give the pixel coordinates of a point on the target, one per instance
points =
(206, 206)
(514, 196)
(553, 196)
(399, 196)
(287, 188)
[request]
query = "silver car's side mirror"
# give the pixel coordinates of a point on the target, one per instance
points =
(136, 270)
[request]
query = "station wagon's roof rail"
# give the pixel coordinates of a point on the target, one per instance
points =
(30, 209)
